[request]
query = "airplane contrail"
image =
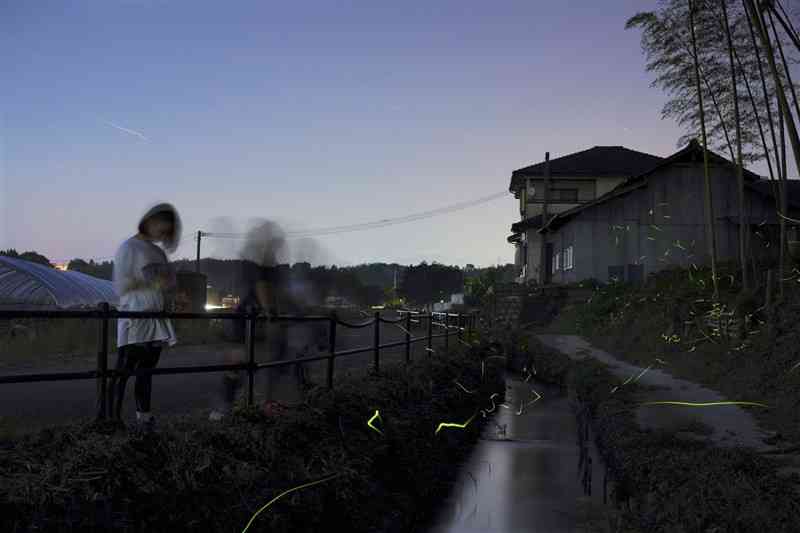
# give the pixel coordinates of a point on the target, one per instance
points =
(126, 130)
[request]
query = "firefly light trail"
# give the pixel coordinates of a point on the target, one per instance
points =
(453, 425)
(464, 388)
(695, 404)
(369, 423)
(281, 494)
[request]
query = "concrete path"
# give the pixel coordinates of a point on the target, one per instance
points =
(732, 425)
(523, 476)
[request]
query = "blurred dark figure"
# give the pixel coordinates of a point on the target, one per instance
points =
(268, 291)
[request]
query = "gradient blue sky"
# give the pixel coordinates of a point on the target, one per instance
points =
(316, 114)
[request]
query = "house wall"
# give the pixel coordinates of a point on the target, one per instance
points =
(534, 250)
(588, 190)
(605, 185)
(659, 225)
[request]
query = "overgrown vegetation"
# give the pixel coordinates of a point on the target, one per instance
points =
(746, 350)
(196, 475)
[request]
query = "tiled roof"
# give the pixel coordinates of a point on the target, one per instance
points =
(599, 161)
(692, 151)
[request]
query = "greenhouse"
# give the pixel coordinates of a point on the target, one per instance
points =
(28, 285)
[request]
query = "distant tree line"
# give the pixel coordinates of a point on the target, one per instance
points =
(426, 283)
(364, 285)
(27, 256)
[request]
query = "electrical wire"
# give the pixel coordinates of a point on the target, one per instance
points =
(335, 230)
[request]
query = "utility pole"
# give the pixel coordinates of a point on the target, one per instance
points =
(197, 263)
(542, 254)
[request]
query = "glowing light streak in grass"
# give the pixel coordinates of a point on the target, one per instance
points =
(284, 493)
(402, 328)
(642, 373)
(453, 425)
(464, 388)
(378, 416)
(491, 398)
(784, 217)
(706, 404)
(538, 397)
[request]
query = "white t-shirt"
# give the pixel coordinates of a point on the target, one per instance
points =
(132, 256)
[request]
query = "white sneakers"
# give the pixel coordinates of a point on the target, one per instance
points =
(145, 422)
(143, 417)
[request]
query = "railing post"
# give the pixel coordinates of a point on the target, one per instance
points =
(459, 325)
(446, 332)
(102, 364)
(251, 354)
(408, 338)
(430, 333)
(377, 340)
(332, 341)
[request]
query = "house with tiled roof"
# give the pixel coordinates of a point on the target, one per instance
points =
(575, 179)
(656, 219)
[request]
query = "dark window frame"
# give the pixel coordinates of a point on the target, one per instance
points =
(560, 196)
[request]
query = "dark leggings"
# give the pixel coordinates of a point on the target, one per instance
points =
(132, 357)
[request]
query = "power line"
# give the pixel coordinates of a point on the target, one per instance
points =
(335, 230)
(377, 223)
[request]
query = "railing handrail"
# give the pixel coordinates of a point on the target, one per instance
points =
(105, 314)
(112, 313)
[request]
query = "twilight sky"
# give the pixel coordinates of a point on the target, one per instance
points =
(316, 114)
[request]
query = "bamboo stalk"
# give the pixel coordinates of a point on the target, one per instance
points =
(708, 199)
(785, 115)
(763, 79)
(739, 169)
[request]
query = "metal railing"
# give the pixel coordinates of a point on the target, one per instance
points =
(462, 323)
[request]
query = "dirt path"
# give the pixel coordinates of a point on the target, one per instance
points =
(731, 425)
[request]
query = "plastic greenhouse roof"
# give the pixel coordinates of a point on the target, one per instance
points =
(27, 283)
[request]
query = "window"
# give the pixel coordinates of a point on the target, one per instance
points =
(564, 195)
(568, 264)
(556, 262)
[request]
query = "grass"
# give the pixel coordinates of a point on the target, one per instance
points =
(75, 341)
(193, 474)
